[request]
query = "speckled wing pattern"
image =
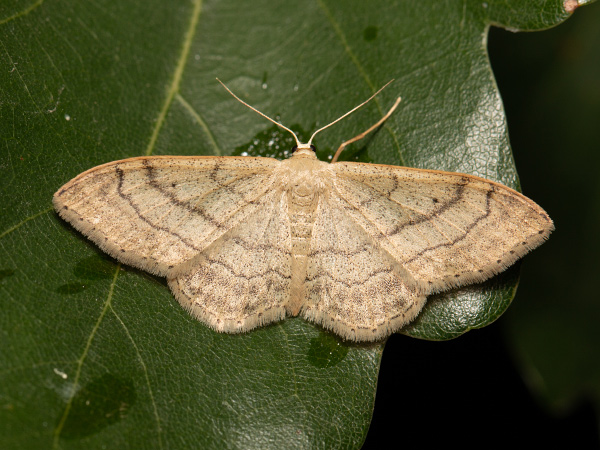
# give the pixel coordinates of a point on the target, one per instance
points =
(353, 285)
(159, 212)
(386, 237)
(241, 280)
(354, 247)
(446, 229)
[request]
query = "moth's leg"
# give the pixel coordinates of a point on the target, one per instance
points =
(364, 133)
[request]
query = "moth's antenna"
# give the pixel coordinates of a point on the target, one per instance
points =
(349, 112)
(298, 144)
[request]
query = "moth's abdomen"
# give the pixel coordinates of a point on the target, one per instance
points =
(303, 199)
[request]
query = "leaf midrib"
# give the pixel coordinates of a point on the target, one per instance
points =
(171, 92)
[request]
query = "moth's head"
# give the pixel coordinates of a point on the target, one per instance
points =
(304, 150)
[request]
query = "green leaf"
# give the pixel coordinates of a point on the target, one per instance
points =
(99, 355)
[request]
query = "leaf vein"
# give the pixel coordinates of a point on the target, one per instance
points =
(144, 368)
(24, 221)
(174, 87)
(22, 13)
(342, 37)
(81, 360)
(198, 118)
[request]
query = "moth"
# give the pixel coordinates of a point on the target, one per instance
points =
(354, 247)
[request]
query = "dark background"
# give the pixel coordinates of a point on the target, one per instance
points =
(471, 391)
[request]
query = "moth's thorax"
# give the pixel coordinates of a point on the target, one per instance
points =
(304, 173)
(306, 180)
